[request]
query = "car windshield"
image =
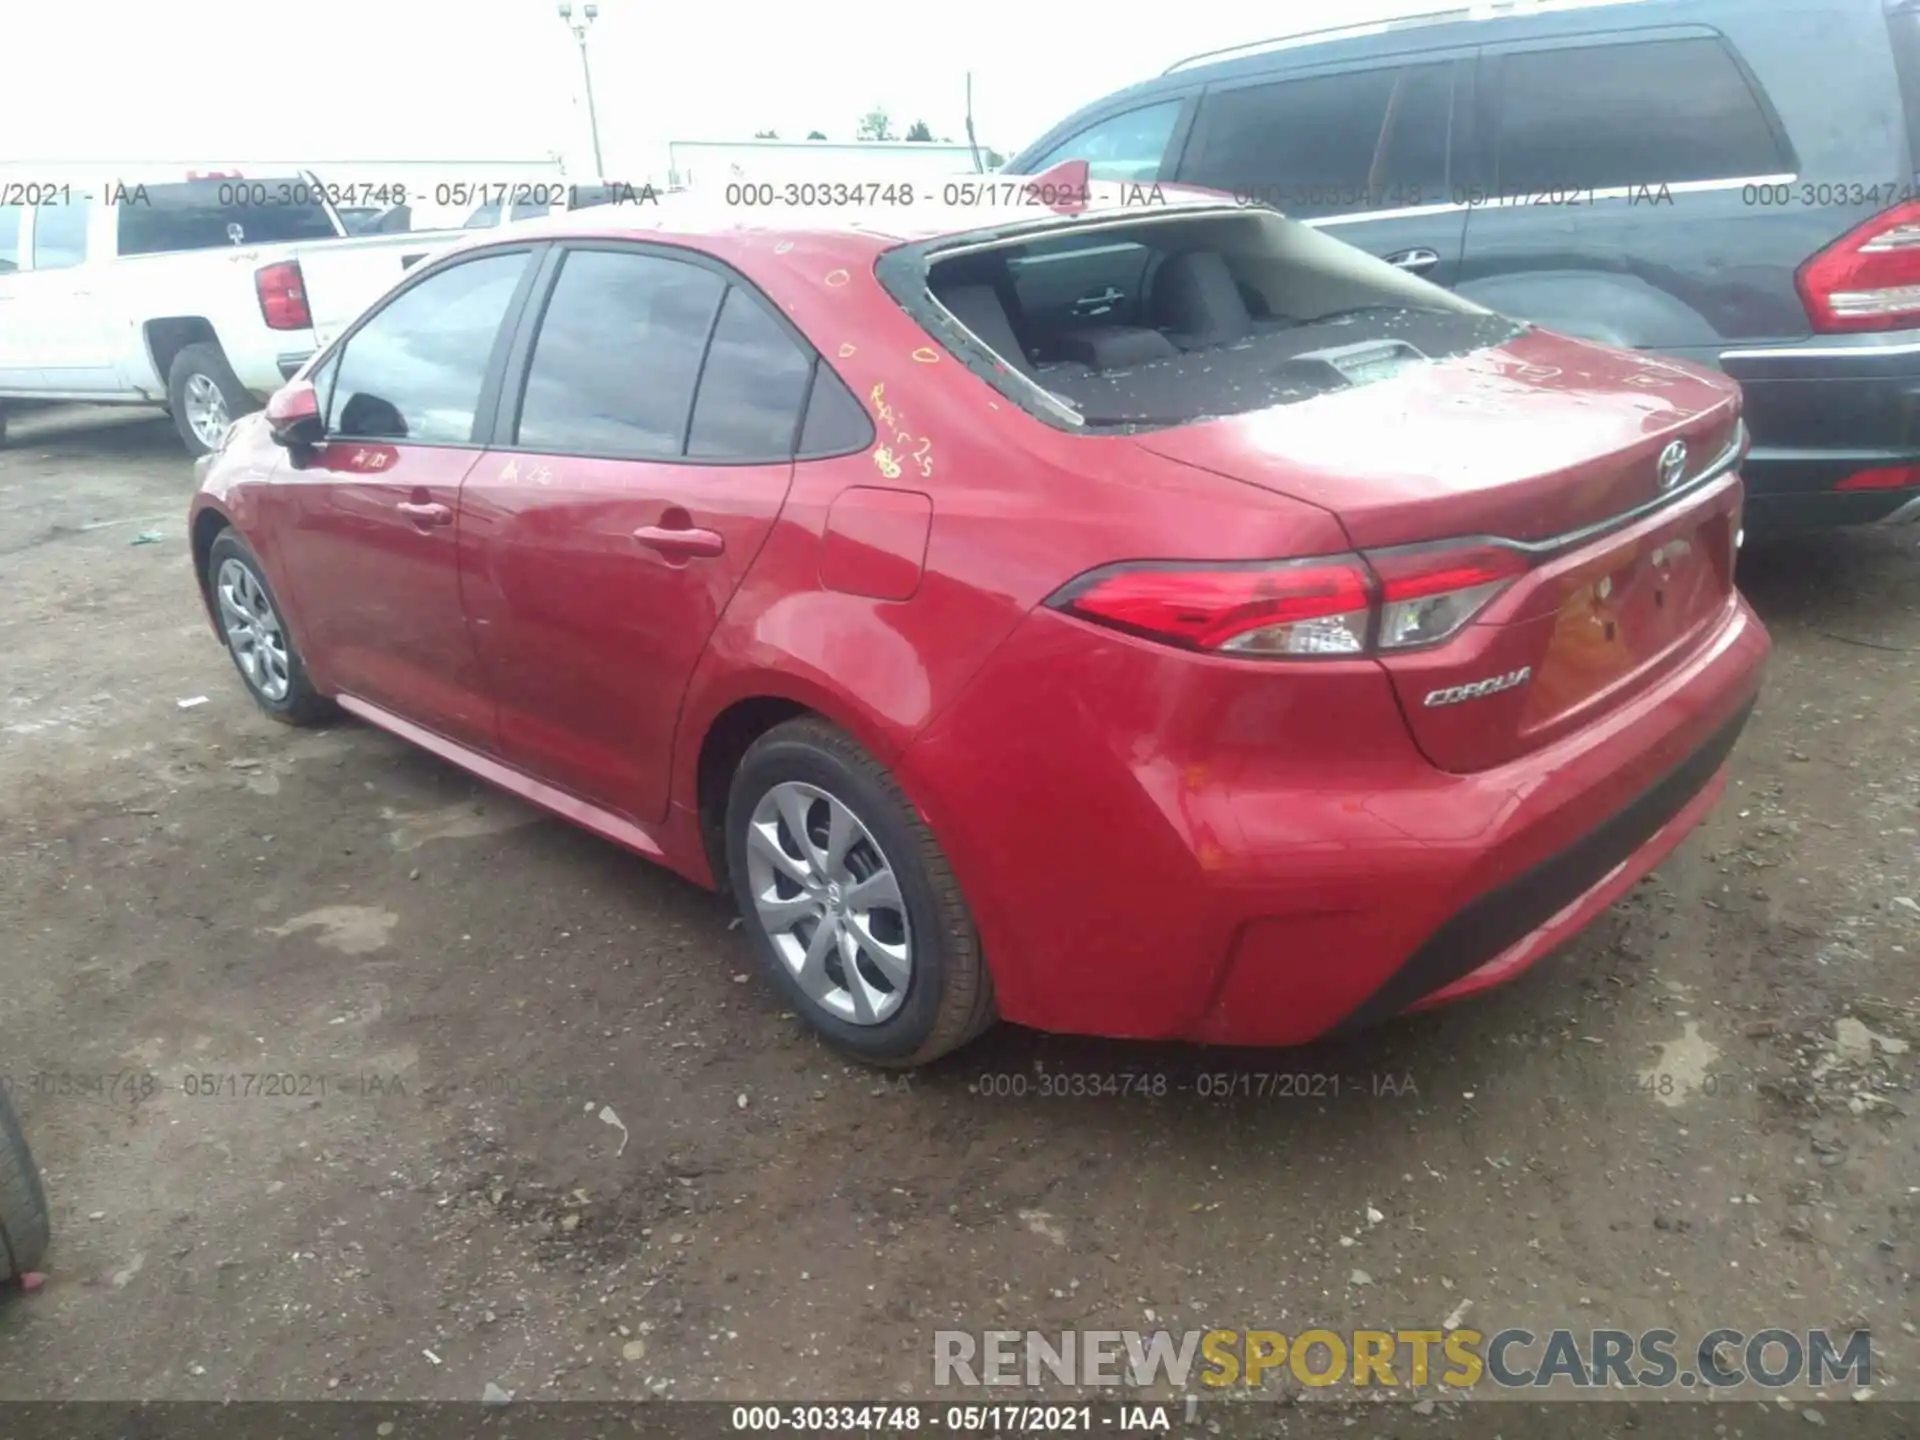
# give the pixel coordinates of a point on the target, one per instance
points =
(216, 213)
(1182, 318)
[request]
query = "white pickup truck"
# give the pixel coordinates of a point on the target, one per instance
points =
(196, 291)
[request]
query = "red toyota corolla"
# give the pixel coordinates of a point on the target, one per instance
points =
(1160, 620)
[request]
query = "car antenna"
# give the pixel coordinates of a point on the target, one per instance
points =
(973, 144)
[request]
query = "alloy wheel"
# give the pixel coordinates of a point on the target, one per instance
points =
(827, 897)
(206, 411)
(254, 633)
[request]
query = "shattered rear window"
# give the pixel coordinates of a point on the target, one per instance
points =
(1183, 319)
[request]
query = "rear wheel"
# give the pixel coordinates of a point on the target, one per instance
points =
(850, 901)
(205, 396)
(257, 637)
(25, 1223)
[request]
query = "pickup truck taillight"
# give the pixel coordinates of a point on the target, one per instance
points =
(283, 296)
(1868, 279)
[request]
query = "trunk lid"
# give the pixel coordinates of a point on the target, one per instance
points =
(1531, 439)
(1535, 441)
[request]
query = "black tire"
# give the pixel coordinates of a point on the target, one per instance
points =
(207, 361)
(948, 998)
(25, 1223)
(301, 704)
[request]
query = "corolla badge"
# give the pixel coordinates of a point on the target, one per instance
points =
(1479, 689)
(1673, 465)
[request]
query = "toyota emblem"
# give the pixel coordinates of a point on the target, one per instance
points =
(1673, 465)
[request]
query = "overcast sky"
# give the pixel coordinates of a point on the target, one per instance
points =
(344, 80)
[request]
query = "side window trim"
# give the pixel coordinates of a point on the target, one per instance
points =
(504, 415)
(486, 414)
(496, 359)
(518, 362)
(1491, 112)
(700, 374)
(806, 404)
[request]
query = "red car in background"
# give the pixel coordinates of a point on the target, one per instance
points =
(1157, 620)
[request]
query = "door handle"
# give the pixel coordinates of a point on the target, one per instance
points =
(425, 514)
(1098, 304)
(681, 542)
(1417, 261)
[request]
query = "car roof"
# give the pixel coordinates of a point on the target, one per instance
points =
(1005, 202)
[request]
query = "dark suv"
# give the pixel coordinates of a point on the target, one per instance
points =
(1730, 181)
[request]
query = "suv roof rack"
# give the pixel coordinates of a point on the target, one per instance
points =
(1485, 10)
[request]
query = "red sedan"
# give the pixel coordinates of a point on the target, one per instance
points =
(1157, 620)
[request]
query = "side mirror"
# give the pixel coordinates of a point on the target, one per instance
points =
(293, 416)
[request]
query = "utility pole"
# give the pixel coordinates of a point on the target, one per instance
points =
(589, 13)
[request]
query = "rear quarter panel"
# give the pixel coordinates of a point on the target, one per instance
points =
(1018, 509)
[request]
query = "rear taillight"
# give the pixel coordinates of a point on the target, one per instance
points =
(1868, 279)
(1386, 600)
(1426, 595)
(1293, 607)
(283, 296)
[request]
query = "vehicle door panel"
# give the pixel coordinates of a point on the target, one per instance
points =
(1061, 286)
(604, 544)
(59, 307)
(587, 633)
(376, 570)
(367, 528)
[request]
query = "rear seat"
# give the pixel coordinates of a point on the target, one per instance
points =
(1073, 350)
(1197, 303)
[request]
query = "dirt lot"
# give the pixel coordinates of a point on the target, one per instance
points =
(1678, 1122)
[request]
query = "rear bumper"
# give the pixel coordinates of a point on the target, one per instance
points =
(1154, 849)
(1495, 936)
(1823, 410)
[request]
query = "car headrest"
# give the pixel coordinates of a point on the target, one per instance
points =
(1195, 297)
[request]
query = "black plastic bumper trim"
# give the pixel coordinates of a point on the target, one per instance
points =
(1496, 921)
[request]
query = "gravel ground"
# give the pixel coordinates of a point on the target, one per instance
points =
(534, 1126)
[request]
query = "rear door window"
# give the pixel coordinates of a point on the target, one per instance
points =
(217, 214)
(1646, 113)
(836, 423)
(618, 356)
(60, 234)
(1329, 144)
(415, 369)
(1130, 146)
(751, 387)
